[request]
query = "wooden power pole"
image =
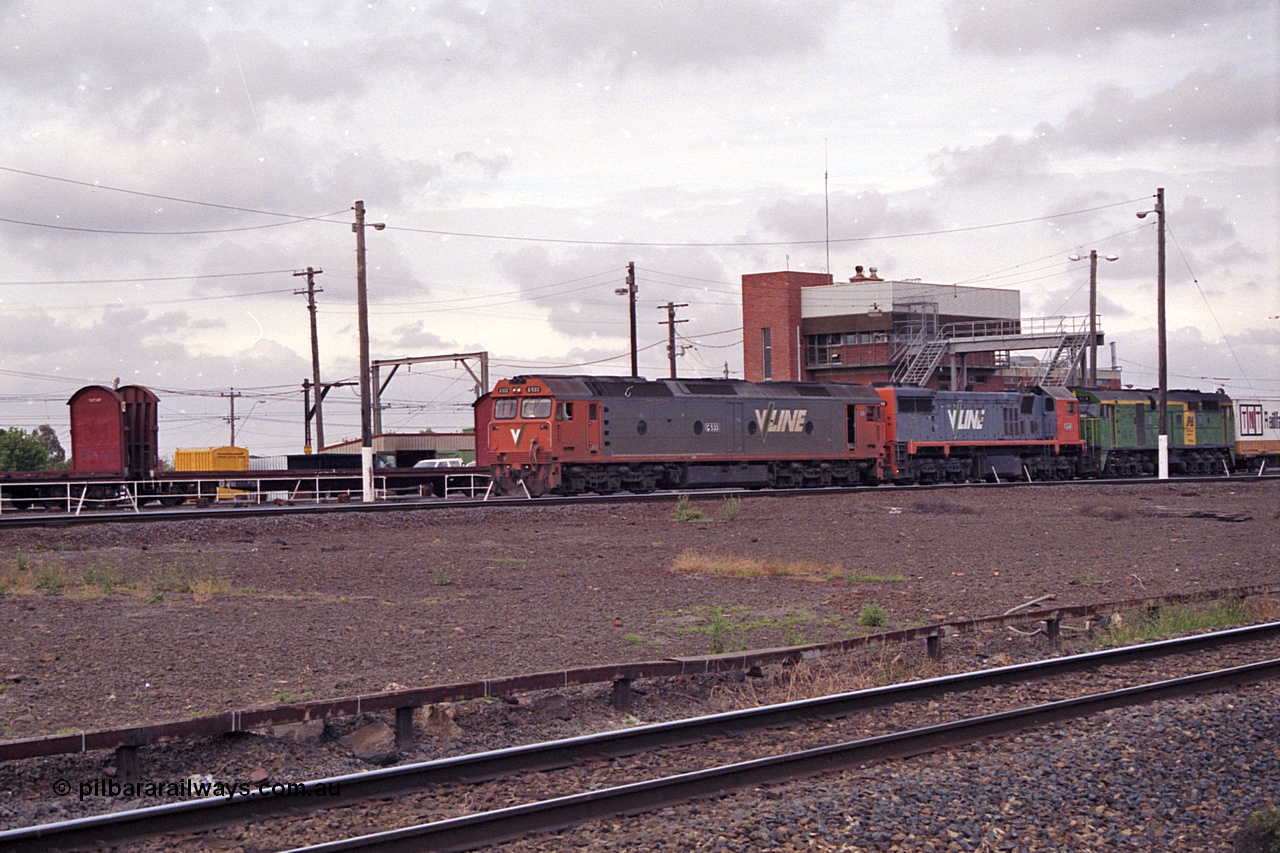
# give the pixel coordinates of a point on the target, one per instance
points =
(310, 293)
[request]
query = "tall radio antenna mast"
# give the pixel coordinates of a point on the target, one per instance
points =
(826, 202)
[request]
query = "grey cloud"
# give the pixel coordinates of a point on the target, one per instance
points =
(1005, 27)
(575, 288)
(853, 215)
(1218, 107)
(490, 166)
(1002, 160)
(89, 48)
(302, 177)
(697, 33)
(551, 35)
(553, 283)
(414, 339)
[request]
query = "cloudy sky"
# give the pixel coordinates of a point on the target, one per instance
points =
(166, 168)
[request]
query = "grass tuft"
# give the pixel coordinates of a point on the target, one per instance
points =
(50, 582)
(873, 616)
(1158, 623)
(106, 580)
(750, 567)
(685, 512)
(731, 509)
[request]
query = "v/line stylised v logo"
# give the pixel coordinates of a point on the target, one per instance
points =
(966, 419)
(780, 420)
(517, 433)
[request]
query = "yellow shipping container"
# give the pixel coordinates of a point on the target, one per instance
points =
(211, 459)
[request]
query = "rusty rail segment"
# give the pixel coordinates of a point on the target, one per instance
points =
(403, 702)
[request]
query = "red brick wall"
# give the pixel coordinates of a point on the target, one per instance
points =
(772, 300)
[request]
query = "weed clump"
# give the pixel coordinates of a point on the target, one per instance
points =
(873, 616)
(685, 512)
(731, 509)
(750, 567)
(1156, 623)
(50, 582)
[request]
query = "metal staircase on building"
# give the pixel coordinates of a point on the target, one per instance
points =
(917, 369)
(1058, 369)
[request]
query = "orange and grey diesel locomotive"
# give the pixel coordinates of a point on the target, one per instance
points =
(573, 434)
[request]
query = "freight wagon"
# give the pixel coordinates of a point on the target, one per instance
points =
(1257, 433)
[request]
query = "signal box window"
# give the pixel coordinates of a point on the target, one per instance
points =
(535, 407)
(505, 408)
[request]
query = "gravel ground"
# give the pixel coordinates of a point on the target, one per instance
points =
(1179, 776)
(120, 625)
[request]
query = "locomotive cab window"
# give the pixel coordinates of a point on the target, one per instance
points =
(564, 411)
(535, 407)
(505, 408)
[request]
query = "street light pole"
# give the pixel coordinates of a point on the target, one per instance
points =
(1092, 377)
(1162, 352)
(362, 300)
(630, 291)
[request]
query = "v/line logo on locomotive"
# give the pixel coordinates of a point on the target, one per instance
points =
(780, 420)
(962, 418)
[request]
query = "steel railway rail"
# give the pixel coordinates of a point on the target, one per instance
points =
(25, 519)
(477, 830)
(487, 828)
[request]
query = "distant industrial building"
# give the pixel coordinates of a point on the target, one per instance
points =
(806, 326)
(405, 449)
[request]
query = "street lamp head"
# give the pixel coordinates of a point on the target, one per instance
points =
(621, 291)
(1075, 257)
(1112, 258)
(1142, 214)
(378, 226)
